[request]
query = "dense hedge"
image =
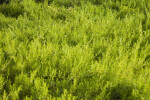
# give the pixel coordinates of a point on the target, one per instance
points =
(75, 49)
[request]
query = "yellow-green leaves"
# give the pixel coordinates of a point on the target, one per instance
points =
(75, 49)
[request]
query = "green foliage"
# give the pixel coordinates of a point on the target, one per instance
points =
(75, 50)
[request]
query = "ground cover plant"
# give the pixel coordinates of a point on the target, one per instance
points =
(75, 50)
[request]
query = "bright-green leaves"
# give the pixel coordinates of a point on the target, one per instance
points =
(75, 49)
